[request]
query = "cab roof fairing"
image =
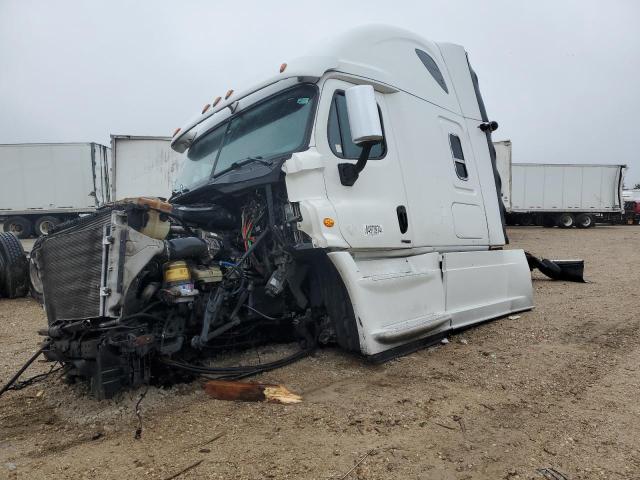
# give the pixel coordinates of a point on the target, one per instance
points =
(380, 55)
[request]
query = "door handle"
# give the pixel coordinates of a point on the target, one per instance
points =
(403, 218)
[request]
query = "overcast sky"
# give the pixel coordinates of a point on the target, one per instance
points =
(561, 77)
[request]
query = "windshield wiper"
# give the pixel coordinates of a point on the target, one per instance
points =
(240, 163)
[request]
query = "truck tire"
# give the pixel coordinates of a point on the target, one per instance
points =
(565, 220)
(548, 221)
(36, 289)
(19, 226)
(15, 268)
(585, 221)
(526, 220)
(44, 224)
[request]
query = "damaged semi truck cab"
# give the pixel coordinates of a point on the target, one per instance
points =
(350, 199)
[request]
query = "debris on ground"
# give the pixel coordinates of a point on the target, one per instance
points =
(250, 392)
(552, 474)
(514, 317)
(444, 341)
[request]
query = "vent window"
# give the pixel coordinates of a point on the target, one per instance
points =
(339, 132)
(458, 157)
(432, 67)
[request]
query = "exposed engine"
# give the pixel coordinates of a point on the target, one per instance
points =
(144, 290)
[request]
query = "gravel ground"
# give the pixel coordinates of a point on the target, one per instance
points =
(556, 387)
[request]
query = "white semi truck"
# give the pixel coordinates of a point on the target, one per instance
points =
(350, 199)
(563, 195)
(43, 184)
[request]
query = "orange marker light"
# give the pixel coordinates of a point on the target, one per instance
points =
(229, 93)
(216, 101)
(283, 67)
(176, 131)
(329, 222)
(206, 107)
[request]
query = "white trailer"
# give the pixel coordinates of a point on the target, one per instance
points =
(143, 166)
(565, 195)
(43, 184)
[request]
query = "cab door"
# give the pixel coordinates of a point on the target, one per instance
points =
(372, 213)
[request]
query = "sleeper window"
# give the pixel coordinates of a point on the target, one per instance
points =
(339, 133)
(458, 157)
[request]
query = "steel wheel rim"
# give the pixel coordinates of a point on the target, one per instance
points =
(15, 228)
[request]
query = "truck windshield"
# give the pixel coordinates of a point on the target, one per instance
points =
(276, 126)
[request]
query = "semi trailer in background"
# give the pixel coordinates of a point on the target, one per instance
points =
(43, 184)
(143, 166)
(563, 195)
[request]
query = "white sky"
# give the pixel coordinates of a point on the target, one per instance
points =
(561, 77)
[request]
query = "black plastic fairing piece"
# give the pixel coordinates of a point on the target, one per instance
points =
(569, 270)
(208, 216)
(492, 150)
(349, 172)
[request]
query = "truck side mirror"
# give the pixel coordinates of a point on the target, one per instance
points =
(366, 130)
(362, 109)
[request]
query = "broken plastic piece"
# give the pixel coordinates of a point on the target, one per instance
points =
(552, 474)
(569, 270)
(250, 392)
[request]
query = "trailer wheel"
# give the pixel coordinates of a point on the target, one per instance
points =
(526, 220)
(44, 224)
(585, 221)
(565, 220)
(19, 226)
(15, 269)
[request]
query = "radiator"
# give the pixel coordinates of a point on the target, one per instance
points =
(71, 259)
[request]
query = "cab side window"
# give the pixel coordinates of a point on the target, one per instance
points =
(339, 132)
(459, 162)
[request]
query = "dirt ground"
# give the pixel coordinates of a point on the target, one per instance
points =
(556, 387)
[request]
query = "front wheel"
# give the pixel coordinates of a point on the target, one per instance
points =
(565, 220)
(585, 221)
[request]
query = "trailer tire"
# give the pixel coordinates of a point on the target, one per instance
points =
(548, 221)
(44, 224)
(526, 220)
(15, 268)
(565, 220)
(585, 221)
(20, 226)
